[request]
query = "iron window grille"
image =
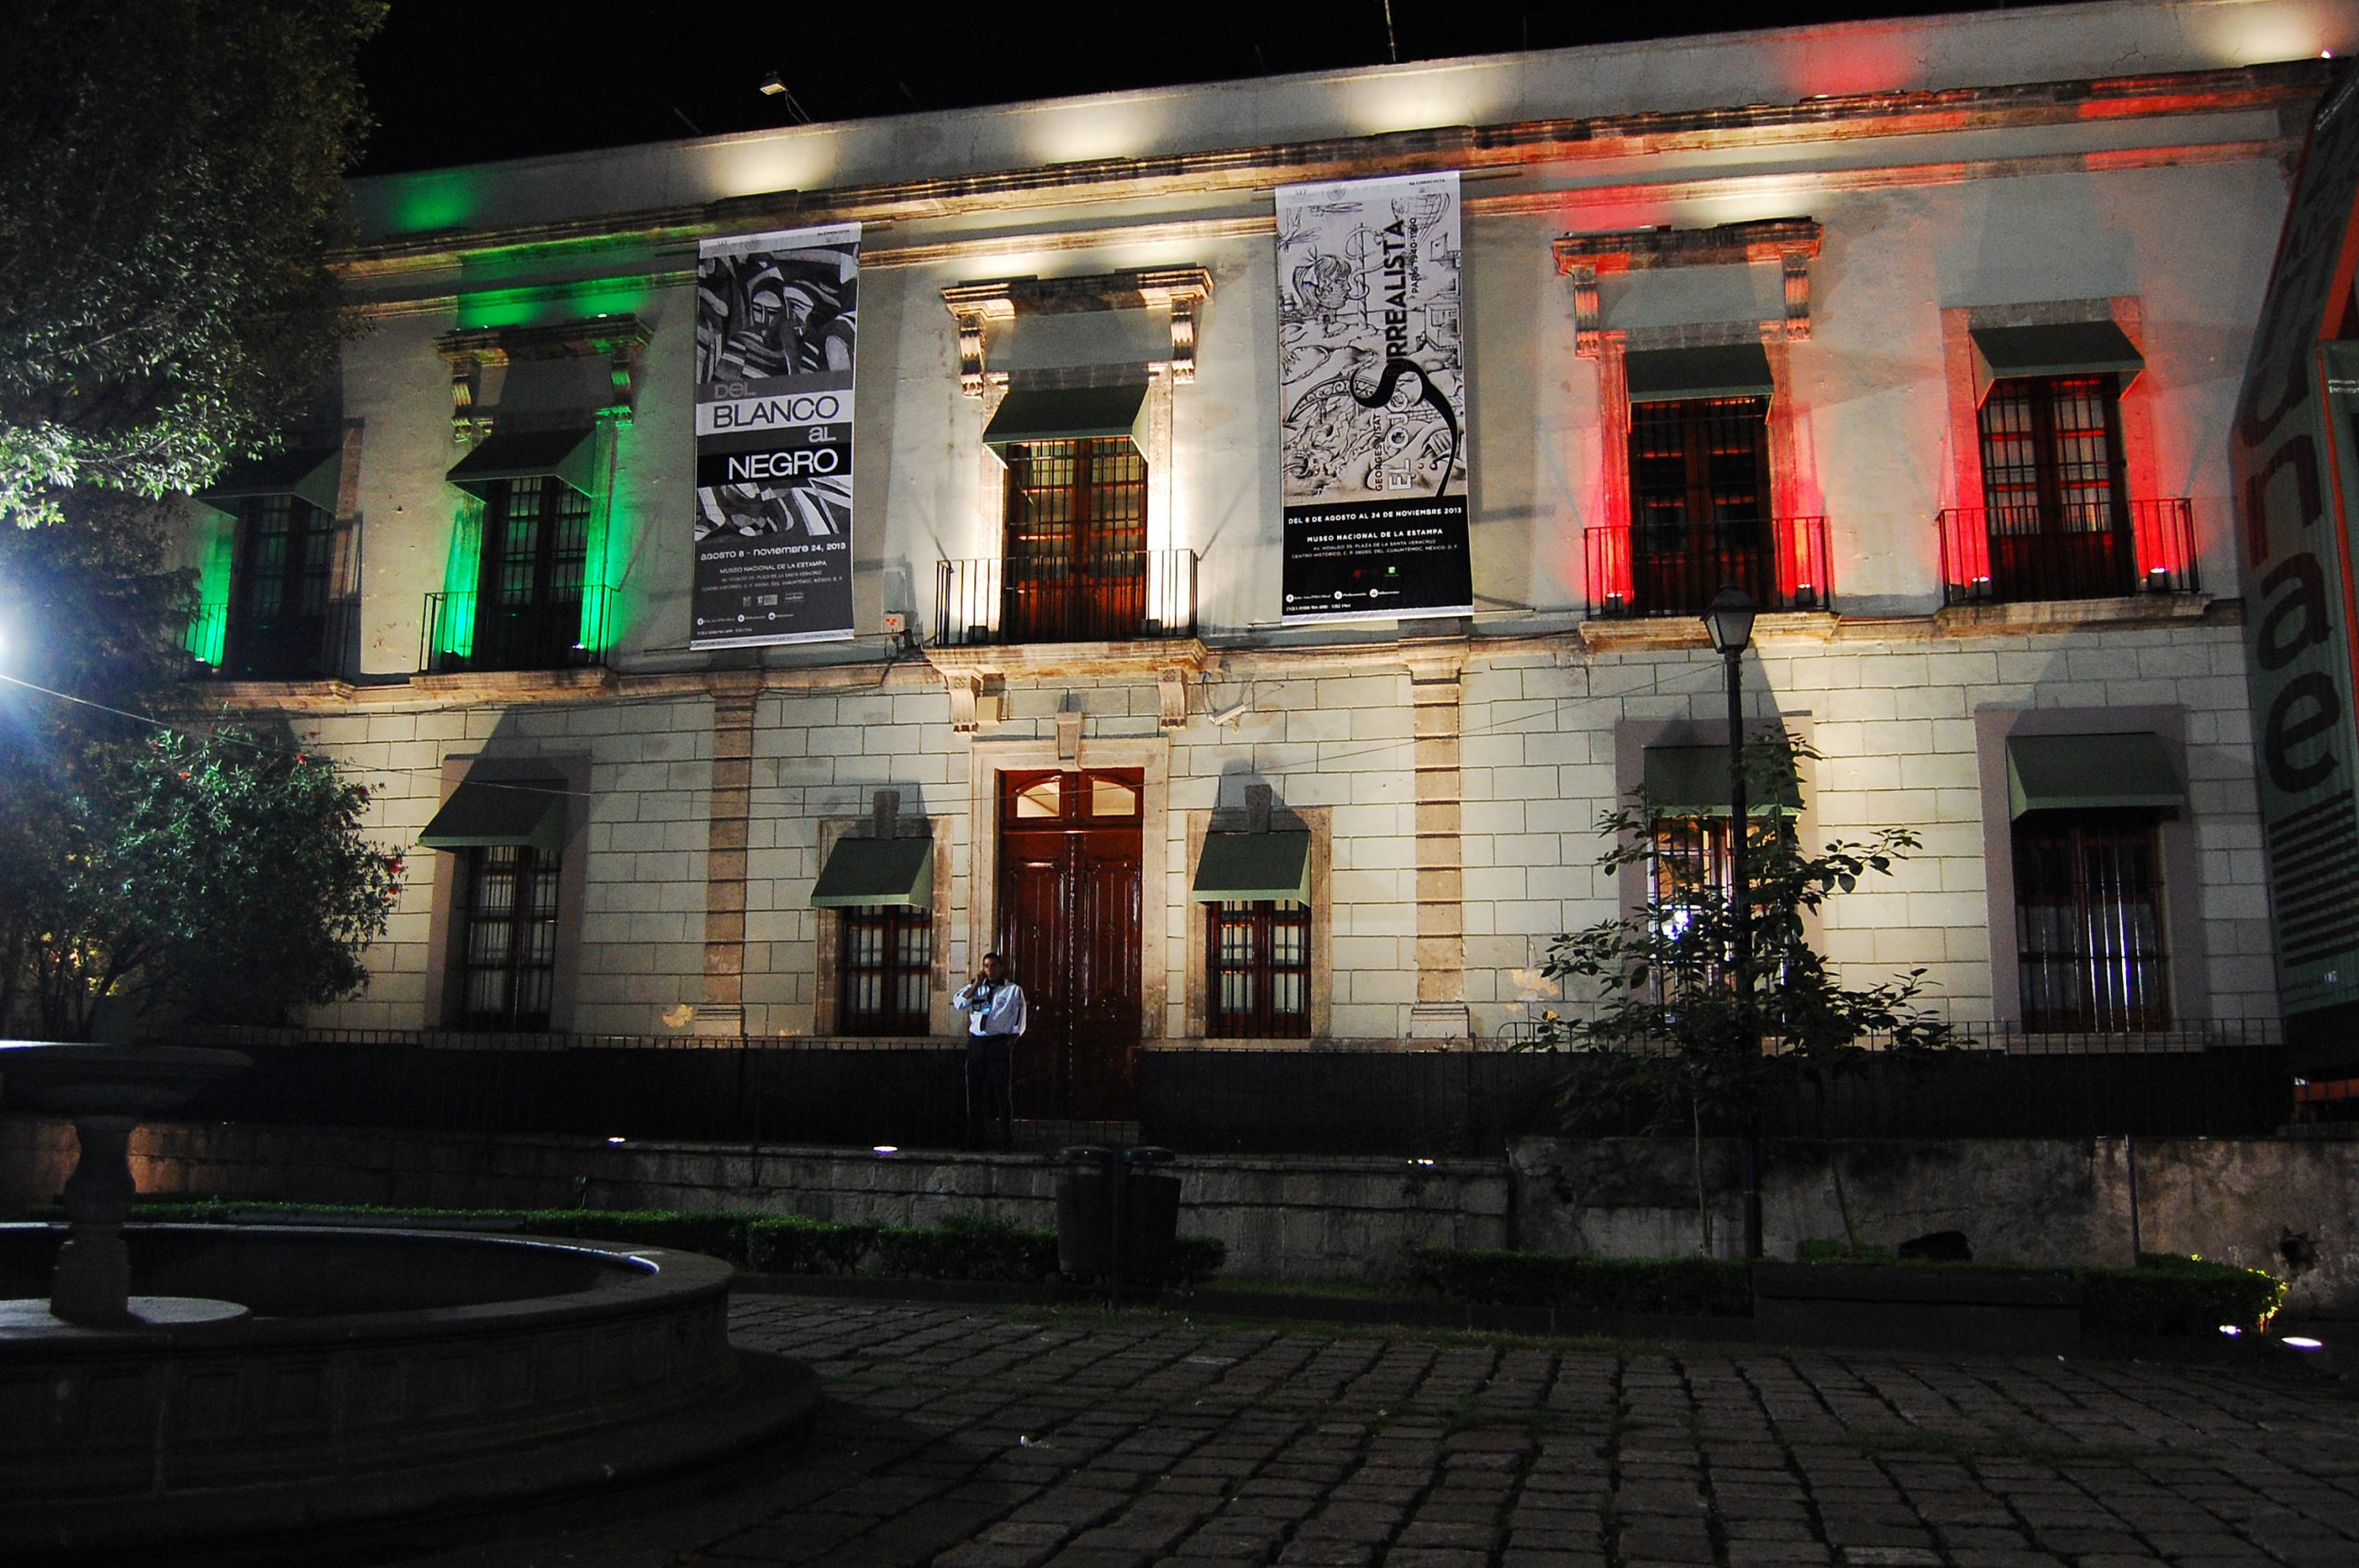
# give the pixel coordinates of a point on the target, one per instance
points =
(885, 970)
(2088, 922)
(508, 952)
(1259, 975)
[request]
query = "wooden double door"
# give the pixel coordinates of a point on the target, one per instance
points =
(1068, 908)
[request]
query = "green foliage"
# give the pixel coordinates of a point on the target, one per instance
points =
(169, 181)
(1690, 1032)
(1195, 1260)
(793, 1243)
(964, 1246)
(221, 877)
(967, 1247)
(715, 1236)
(1820, 1250)
(1683, 1287)
(2168, 1293)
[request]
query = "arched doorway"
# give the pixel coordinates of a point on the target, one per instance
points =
(1068, 921)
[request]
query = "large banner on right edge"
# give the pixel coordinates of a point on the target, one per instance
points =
(1372, 401)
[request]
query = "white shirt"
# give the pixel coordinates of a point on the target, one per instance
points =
(992, 1008)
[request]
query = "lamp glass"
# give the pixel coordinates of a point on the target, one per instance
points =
(1728, 618)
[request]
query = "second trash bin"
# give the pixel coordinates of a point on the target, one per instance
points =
(1150, 1216)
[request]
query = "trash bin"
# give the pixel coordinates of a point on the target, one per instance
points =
(1085, 1181)
(1150, 1215)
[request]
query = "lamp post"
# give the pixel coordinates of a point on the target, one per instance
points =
(1728, 618)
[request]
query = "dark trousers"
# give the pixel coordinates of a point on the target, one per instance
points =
(990, 1093)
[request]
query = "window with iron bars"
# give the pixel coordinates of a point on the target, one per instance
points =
(1691, 867)
(508, 938)
(2054, 488)
(2088, 921)
(1259, 976)
(1699, 500)
(884, 971)
(1075, 561)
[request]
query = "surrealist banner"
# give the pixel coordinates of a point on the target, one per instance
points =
(777, 316)
(1372, 400)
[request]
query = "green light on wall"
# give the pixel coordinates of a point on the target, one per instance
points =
(455, 630)
(548, 305)
(208, 628)
(435, 201)
(609, 544)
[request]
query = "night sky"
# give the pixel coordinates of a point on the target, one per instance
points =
(469, 81)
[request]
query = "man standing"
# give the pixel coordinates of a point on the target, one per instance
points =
(997, 1014)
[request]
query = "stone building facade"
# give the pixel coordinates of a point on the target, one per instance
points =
(1984, 270)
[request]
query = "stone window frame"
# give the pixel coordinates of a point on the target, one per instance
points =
(445, 999)
(1196, 1010)
(1632, 738)
(827, 936)
(2179, 851)
(2134, 403)
(1789, 243)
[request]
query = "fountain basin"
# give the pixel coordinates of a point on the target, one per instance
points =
(380, 1373)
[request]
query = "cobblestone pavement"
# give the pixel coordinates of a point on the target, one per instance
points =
(977, 1438)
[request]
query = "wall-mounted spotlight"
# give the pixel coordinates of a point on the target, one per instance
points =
(772, 86)
(1230, 715)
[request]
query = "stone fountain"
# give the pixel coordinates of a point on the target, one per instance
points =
(181, 1384)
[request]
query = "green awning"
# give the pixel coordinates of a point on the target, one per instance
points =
(1674, 375)
(1244, 866)
(864, 872)
(309, 474)
(1694, 781)
(565, 454)
(2063, 349)
(488, 813)
(2090, 772)
(1068, 414)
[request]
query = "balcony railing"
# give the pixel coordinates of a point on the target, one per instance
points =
(1653, 571)
(232, 647)
(1119, 596)
(2015, 555)
(461, 633)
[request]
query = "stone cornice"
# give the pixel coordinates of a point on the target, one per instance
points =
(1499, 148)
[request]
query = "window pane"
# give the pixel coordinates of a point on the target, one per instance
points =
(1112, 797)
(1040, 800)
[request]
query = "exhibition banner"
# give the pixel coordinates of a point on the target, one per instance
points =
(1372, 401)
(776, 317)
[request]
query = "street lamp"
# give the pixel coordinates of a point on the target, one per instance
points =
(1729, 619)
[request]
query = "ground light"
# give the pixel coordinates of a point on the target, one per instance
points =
(2302, 1342)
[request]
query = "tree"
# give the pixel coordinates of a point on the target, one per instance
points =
(221, 878)
(171, 177)
(1680, 1033)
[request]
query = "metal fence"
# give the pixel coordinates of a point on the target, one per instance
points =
(2013, 554)
(1376, 1099)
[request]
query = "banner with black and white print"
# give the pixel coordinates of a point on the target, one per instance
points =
(776, 318)
(1372, 401)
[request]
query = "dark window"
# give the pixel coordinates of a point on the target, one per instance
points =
(1692, 872)
(2088, 921)
(2052, 480)
(508, 941)
(1699, 500)
(1259, 969)
(1076, 559)
(536, 543)
(884, 971)
(278, 594)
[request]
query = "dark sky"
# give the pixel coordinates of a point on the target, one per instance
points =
(468, 81)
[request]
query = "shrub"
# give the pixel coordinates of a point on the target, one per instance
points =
(1692, 1287)
(793, 1244)
(1826, 1251)
(2168, 1293)
(716, 1236)
(967, 1247)
(1195, 1260)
